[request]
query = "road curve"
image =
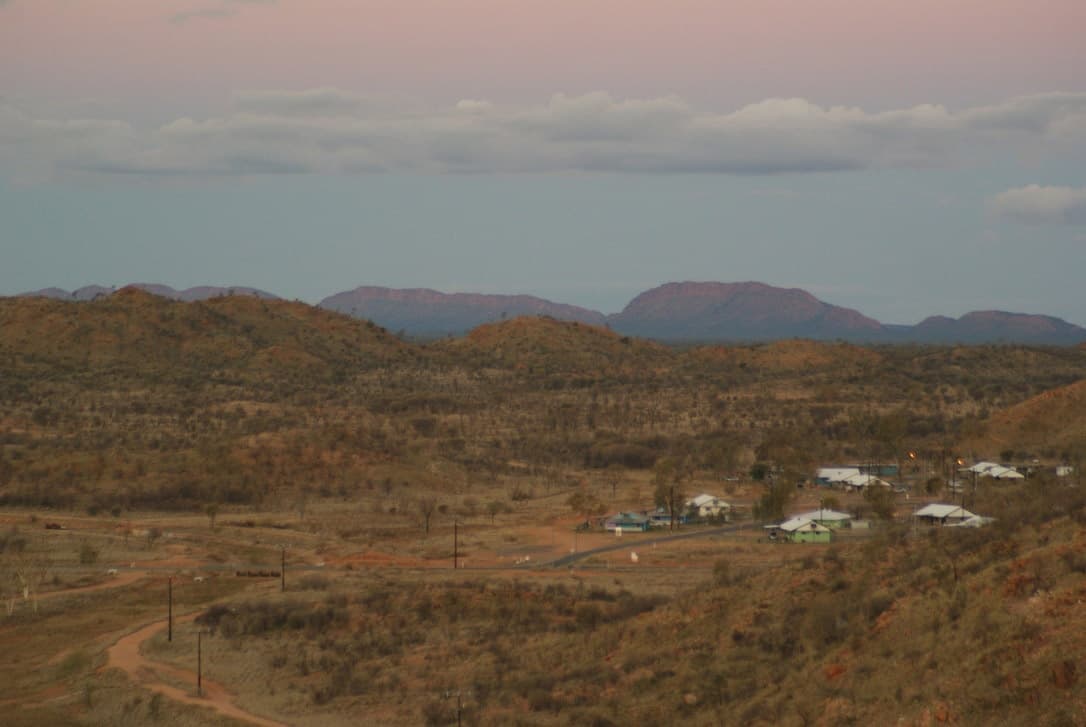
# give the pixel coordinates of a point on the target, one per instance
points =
(126, 656)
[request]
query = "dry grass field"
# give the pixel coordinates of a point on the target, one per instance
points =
(143, 440)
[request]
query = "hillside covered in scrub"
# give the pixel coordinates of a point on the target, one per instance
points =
(971, 627)
(218, 441)
(135, 400)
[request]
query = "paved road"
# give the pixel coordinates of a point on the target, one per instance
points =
(572, 558)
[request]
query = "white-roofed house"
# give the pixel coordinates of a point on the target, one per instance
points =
(835, 475)
(995, 471)
(940, 514)
(708, 506)
(802, 530)
(861, 481)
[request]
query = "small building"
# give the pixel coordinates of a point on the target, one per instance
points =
(832, 519)
(940, 514)
(835, 475)
(661, 518)
(977, 521)
(860, 482)
(995, 471)
(628, 522)
(802, 530)
(707, 506)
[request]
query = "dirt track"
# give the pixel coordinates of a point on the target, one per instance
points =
(121, 579)
(125, 655)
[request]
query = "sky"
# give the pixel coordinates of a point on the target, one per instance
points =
(901, 157)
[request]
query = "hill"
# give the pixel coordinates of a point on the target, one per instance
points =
(1053, 420)
(545, 345)
(136, 332)
(201, 292)
(994, 327)
(738, 311)
(680, 312)
(424, 312)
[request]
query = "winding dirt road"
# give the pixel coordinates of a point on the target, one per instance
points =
(125, 655)
(125, 578)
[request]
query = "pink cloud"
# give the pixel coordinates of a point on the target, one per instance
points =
(897, 51)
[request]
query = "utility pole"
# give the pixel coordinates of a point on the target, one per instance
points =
(456, 552)
(459, 703)
(283, 569)
(169, 631)
(199, 666)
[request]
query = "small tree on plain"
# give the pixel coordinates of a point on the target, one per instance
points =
(614, 478)
(426, 506)
(212, 511)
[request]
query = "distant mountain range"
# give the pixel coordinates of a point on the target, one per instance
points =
(688, 311)
(202, 292)
(424, 312)
(701, 312)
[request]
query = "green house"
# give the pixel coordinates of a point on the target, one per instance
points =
(802, 530)
(831, 519)
(628, 522)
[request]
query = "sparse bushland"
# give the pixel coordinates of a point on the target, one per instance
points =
(138, 403)
(976, 626)
(513, 644)
(354, 438)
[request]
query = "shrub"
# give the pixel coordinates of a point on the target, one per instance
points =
(314, 582)
(88, 554)
(877, 604)
(722, 573)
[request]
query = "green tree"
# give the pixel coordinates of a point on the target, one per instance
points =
(88, 554)
(212, 511)
(7, 470)
(881, 500)
(426, 506)
(772, 503)
(585, 504)
(669, 475)
(613, 476)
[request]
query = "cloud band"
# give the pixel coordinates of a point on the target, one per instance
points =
(332, 131)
